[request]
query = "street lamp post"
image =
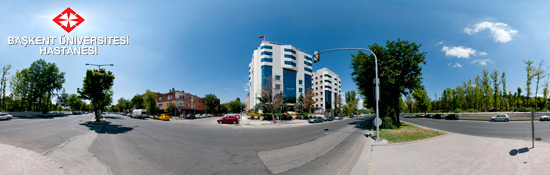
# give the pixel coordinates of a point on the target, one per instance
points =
(99, 65)
(376, 80)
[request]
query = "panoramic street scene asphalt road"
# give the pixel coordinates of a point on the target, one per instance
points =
(146, 146)
(520, 130)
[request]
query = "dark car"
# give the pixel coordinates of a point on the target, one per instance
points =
(438, 116)
(451, 117)
(420, 115)
(190, 116)
(330, 119)
(429, 116)
(228, 119)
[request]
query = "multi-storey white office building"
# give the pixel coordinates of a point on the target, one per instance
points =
(326, 86)
(289, 67)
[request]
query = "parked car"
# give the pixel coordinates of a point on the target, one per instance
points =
(139, 113)
(500, 117)
(163, 117)
(190, 116)
(338, 118)
(545, 117)
(5, 116)
(429, 116)
(438, 116)
(316, 120)
(329, 119)
(419, 115)
(228, 119)
(451, 117)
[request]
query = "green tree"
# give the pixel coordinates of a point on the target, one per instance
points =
(351, 100)
(308, 100)
(137, 101)
(212, 103)
(170, 108)
(36, 85)
(75, 102)
(3, 84)
(422, 99)
(123, 105)
(531, 73)
(399, 71)
(409, 102)
(299, 107)
(539, 74)
(496, 84)
(223, 109)
(236, 106)
(505, 101)
(62, 99)
(150, 103)
(97, 88)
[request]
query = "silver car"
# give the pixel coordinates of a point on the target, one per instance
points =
(5, 116)
(545, 117)
(500, 117)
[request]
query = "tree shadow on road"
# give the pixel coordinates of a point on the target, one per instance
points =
(112, 117)
(107, 128)
(363, 123)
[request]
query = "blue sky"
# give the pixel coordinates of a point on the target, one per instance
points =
(205, 46)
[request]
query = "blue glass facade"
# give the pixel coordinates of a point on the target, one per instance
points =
(290, 50)
(266, 47)
(267, 71)
(289, 83)
(307, 63)
(308, 58)
(307, 79)
(328, 99)
(267, 53)
(308, 70)
(290, 56)
(267, 59)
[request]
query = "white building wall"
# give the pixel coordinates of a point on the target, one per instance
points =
(320, 88)
(278, 64)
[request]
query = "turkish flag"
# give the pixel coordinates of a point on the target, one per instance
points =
(261, 36)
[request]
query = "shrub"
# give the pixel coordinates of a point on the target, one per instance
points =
(457, 110)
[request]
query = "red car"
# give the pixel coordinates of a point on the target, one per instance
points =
(228, 119)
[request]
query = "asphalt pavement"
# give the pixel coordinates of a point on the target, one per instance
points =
(520, 130)
(135, 146)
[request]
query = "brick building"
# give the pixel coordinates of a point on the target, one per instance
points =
(186, 103)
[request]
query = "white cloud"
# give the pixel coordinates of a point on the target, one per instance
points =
(501, 32)
(459, 51)
(482, 62)
(450, 63)
(440, 43)
(482, 53)
(457, 65)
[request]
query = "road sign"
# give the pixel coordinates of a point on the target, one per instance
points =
(377, 122)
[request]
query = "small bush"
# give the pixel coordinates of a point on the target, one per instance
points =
(457, 110)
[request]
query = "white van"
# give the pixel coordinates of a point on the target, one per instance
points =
(139, 113)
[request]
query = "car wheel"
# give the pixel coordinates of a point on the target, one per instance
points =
(220, 122)
(507, 120)
(492, 120)
(234, 122)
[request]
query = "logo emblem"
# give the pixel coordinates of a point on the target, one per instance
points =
(68, 20)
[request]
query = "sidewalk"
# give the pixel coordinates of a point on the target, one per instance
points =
(455, 154)
(17, 160)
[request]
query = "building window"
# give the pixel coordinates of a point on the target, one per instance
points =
(308, 69)
(327, 75)
(267, 60)
(267, 53)
(160, 98)
(300, 81)
(169, 97)
(289, 83)
(277, 86)
(290, 50)
(290, 56)
(308, 63)
(300, 90)
(308, 58)
(290, 63)
(277, 77)
(160, 105)
(266, 47)
(328, 81)
(266, 74)
(328, 100)
(307, 81)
